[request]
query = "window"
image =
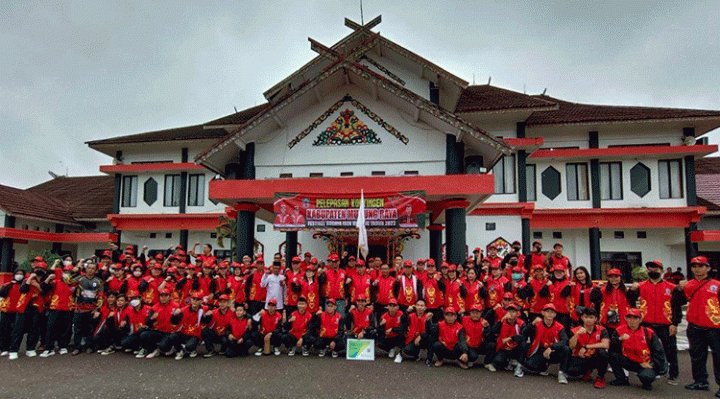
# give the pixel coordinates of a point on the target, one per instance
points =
(619, 235)
(530, 181)
(316, 174)
(550, 181)
(577, 182)
(129, 191)
(412, 173)
(489, 226)
(504, 172)
(611, 180)
(196, 190)
(670, 174)
(537, 235)
(642, 234)
(168, 235)
(378, 173)
(260, 228)
(286, 175)
(640, 180)
(172, 190)
(346, 174)
(557, 235)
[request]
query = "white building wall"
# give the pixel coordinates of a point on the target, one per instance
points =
(477, 235)
(413, 81)
(158, 207)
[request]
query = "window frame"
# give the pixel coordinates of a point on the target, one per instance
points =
(198, 192)
(665, 173)
(174, 194)
(531, 176)
(576, 191)
(506, 177)
(611, 180)
(128, 195)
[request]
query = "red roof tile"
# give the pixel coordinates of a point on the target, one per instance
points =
(490, 98)
(573, 113)
(86, 197)
(706, 166)
(708, 190)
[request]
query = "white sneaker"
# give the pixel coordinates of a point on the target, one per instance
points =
(193, 354)
(398, 358)
(108, 351)
(291, 352)
(30, 353)
(180, 354)
(544, 373)
(12, 355)
(141, 354)
(391, 354)
(259, 352)
(490, 367)
(154, 354)
(276, 351)
(63, 351)
(334, 354)
(322, 352)
(562, 378)
(305, 352)
(47, 353)
(519, 373)
(514, 363)
(4, 353)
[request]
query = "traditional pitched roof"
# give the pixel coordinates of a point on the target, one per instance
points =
(84, 198)
(238, 118)
(195, 132)
(484, 98)
(17, 202)
(574, 113)
(708, 166)
(708, 190)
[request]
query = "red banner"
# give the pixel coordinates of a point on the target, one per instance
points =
(323, 212)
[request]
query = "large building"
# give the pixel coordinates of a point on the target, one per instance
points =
(444, 167)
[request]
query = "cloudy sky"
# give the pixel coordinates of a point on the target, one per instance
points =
(84, 70)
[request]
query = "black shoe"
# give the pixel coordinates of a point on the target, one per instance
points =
(698, 386)
(647, 387)
(619, 383)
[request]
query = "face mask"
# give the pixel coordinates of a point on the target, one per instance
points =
(654, 275)
(137, 273)
(67, 262)
(18, 277)
(516, 249)
(516, 276)
(135, 302)
(513, 262)
(66, 276)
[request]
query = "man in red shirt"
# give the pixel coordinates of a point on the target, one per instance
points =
(240, 336)
(548, 345)
(476, 334)
(703, 316)
(218, 326)
(297, 328)
(326, 329)
(589, 344)
(640, 351)
(450, 343)
(269, 332)
(417, 324)
(333, 282)
(390, 331)
(510, 343)
(157, 338)
(360, 320)
(188, 319)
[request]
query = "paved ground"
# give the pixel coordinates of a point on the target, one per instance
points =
(123, 376)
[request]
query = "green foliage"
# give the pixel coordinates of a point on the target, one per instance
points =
(46, 254)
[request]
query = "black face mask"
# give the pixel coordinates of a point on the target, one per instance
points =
(516, 249)
(654, 275)
(513, 262)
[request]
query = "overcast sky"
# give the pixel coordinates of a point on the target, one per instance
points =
(84, 70)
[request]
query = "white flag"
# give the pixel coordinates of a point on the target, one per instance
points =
(362, 232)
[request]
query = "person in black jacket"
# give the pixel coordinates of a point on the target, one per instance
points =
(450, 341)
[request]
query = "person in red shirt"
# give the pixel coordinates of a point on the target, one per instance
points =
(556, 258)
(390, 331)
(417, 326)
(408, 288)
(188, 319)
(326, 331)
(205, 256)
(659, 302)
(292, 275)
(107, 334)
(450, 341)
(476, 335)
(236, 284)
(535, 257)
(611, 298)
(495, 260)
(332, 281)
(548, 345)
(360, 320)
(703, 316)
(217, 328)
(510, 344)
(433, 291)
(254, 292)
(240, 336)
(269, 332)
(297, 329)
(496, 284)
(589, 345)
(537, 291)
(359, 284)
(420, 271)
(60, 310)
(476, 291)
(560, 295)
(157, 338)
(382, 290)
(636, 349)
(455, 291)
(133, 321)
(581, 287)
(149, 287)
(309, 288)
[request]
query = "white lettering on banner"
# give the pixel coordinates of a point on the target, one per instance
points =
(350, 214)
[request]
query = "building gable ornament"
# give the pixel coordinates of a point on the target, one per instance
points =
(368, 134)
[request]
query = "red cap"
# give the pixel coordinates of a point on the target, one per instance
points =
(470, 259)
(634, 312)
(654, 263)
(549, 306)
(393, 302)
(559, 243)
(223, 265)
(272, 301)
(224, 297)
(157, 266)
(180, 253)
(476, 307)
(130, 251)
(197, 295)
(538, 266)
(296, 259)
(408, 263)
(614, 272)
(512, 306)
(700, 260)
(159, 256)
(361, 297)
(308, 254)
(360, 262)
(330, 301)
(558, 268)
(164, 291)
(41, 265)
(452, 267)
(182, 265)
(179, 247)
(333, 257)
(419, 261)
(444, 264)
(450, 309)
(430, 262)
(351, 257)
(38, 259)
(107, 254)
(314, 261)
(508, 295)
(171, 270)
(478, 249)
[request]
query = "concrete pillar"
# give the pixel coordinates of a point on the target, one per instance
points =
(436, 243)
(245, 230)
(291, 240)
(455, 232)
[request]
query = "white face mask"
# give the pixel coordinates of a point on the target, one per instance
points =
(135, 302)
(19, 277)
(66, 276)
(67, 262)
(137, 273)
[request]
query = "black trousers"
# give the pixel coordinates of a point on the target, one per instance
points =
(235, 348)
(132, 341)
(618, 362)
(153, 339)
(59, 329)
(35, 323)
(254, 307)
(18, 330)
(669, 345)
(475, 352)
(259, 339)
(444, 353)
(107, 336)
(187, 342)
(7, 321)
(700, 338)
(211, 338)
(502, 357)
(386, 343)
(322, 343)
(538, 363)
(579, 366)
(83, 326)
(412, 350)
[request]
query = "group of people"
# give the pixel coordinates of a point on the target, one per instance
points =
(518, 312)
